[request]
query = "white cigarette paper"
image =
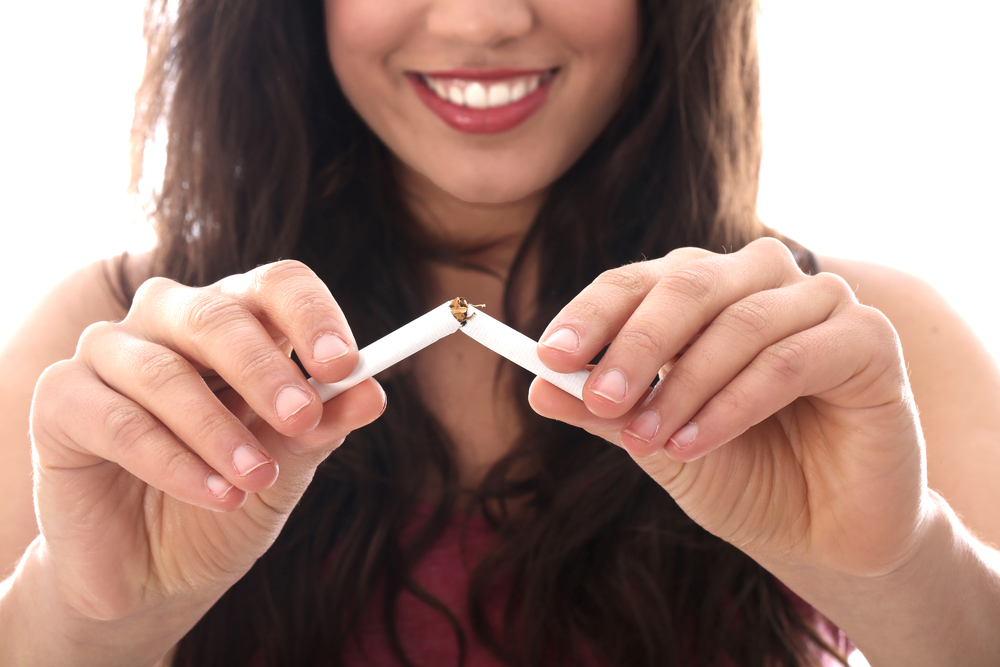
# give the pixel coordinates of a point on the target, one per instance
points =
(435, 325)
(393, 348)
(520, 349)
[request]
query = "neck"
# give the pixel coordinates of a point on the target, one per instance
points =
(487, 236)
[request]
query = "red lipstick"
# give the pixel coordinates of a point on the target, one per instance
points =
(489, 120)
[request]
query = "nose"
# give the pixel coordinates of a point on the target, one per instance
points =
(480, 22)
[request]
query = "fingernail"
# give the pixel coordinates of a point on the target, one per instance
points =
(329, 347)
(565, 340)
(218, 485)
(247, 458)
(685, 435)
(290, 400)
(611, 386)
(645, 426)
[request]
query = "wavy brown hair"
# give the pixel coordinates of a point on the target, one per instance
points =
(267, 160)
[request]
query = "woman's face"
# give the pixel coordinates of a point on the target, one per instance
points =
(491, 100)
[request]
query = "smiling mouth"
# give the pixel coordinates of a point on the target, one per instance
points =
(483, 101)
(485, 94)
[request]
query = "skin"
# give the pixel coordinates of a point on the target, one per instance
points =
(809, 453)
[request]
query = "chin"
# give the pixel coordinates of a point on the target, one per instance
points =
(489, 188)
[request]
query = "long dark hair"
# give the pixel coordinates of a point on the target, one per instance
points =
(266, 159)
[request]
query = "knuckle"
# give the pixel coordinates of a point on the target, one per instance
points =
(734, 400)
(175, 461)
(689, 253)
(256, 362)
(94, 333)
(771, 247)
(683, 380)
(836, 285)
(54, 379)
(274, 275)
(876, 327)
(212, 310)
(786, 360)
(308, 303)
(128, 426)
(776, 252)
(873, 318)
(211, 427)
(151, 289)
(639, 341)
(631, 279)
(56, 399)
(747, 318)
(693, 283)
(588, 308)
(157, 370)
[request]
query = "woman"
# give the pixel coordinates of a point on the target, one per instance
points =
(573, 167)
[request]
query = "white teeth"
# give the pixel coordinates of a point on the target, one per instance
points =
(478, 95)
(499, 95)
(475, 96)
(518, 91)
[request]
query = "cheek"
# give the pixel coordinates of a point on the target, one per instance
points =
(608, 29)
(604, 36)
(362, 33)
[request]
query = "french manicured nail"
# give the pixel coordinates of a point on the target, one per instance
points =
(329, 347)
(565, 340)
(290, 400)
(645, 426)
(247, 458)
(685, 435)
(218, 485)
(611, 386)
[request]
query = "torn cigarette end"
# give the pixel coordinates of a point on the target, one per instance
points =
(460, 309)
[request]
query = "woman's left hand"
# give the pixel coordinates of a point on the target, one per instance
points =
(783, 420)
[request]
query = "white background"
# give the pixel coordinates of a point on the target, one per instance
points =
(881, 139)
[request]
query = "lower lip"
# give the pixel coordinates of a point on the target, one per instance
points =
(482, 121)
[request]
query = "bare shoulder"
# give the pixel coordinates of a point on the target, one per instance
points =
(911, 303)
(92, 293)
(932, 332)
(956, 384)
(47, 335)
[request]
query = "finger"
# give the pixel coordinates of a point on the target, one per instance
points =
(549, 401)
(298, 457)
(679, 306)
(214, 330)
(589, 321)
(172, 390)
(104, 426)
(553, 403)
(288, 297)
(847, 362)
(726, 347)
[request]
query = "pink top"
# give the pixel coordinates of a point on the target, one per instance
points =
(427, 637)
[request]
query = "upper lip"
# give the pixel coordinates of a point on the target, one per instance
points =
(484, 73)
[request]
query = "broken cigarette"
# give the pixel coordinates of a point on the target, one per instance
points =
(446, 319)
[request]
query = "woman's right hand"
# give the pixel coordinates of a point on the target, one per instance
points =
(158, 446)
